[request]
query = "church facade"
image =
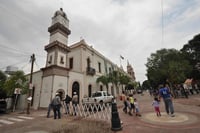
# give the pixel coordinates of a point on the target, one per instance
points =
(69, 69)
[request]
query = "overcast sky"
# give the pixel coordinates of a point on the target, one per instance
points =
(131, 28)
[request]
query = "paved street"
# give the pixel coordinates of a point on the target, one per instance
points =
(187, 119)
(13, 119)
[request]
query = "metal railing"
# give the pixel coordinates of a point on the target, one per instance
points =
(92, 111)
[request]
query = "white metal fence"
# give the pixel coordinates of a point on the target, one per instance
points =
(93, 111)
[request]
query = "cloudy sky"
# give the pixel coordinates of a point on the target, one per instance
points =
(131, 28)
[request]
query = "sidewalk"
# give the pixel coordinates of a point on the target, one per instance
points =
(186, 120)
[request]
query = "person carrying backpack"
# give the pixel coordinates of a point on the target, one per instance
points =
(67, 103)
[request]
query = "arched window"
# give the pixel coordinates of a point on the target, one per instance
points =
(76, 88)
(89, 90)
(101, 88)
(88, 62)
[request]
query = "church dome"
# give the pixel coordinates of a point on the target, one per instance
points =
(60, 12)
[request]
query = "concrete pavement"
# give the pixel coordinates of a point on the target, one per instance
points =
(186, 120)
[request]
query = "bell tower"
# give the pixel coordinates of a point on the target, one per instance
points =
(55, 73)
(57, 48)
(130, 71)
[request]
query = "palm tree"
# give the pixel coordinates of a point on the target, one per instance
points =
(114, 79)
(104, 79)
(124, 80)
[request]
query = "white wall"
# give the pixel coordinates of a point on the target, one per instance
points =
(46, 91)
(60, 82)
(37, 82)
(76, 55)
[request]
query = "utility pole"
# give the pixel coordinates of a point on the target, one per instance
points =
(30, 84)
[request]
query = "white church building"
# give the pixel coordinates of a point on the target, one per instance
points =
(69, 69)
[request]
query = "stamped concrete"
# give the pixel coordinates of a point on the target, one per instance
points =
(186, 120)
(180, 118)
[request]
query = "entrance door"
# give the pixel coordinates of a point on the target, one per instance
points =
(76, 88)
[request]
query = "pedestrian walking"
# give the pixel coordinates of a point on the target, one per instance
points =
(128, 105)
(49, 110)
(56, 104)
(123, 98)
(165, 94)
(156, 104)
(137, 110)
(75, 103)
(67, 103)
(131, 103)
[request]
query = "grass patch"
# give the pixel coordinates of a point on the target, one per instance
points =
(85, 126)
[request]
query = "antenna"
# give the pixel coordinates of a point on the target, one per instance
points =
(162, 24)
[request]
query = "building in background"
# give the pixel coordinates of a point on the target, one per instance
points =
(11, 69)
(130, 71)
(69, 69)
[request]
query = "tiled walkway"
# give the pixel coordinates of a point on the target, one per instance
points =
(186, 120)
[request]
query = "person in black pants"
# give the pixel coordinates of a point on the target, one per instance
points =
(56, 104)
(49, 110)
(67, 103)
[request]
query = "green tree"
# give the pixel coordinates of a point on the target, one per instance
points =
(104, 79)
(114, 79)
(2, 81)
(191, 52)
(146, 84)
(124, 80)
(167, 65)
(16, 80)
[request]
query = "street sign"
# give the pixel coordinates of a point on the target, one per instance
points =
(17, 91)
(29, 99)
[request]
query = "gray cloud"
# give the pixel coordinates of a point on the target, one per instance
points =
(130, 28)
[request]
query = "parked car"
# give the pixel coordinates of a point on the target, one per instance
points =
(98, 97)
(139, 91)
(3, 105)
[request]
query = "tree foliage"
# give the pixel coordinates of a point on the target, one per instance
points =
(16, 80)
(124, 80)
(116, 78)
(104, 79)
(191, 52)
(2, 81)
(146, 85)
(167, 65)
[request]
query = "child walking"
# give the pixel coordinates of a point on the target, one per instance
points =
(137, 111)
(132, 107)
(156, 104)
(128, 105)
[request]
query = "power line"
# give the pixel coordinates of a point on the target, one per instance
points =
(17, 51)
(25, 65)
(14, 64)
(14, 49)
(37, 64)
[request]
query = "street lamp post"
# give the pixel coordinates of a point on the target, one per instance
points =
(30, 85)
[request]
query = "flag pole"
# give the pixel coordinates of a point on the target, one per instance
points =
(120, 61)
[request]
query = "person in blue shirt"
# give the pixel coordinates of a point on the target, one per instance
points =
(165, 94)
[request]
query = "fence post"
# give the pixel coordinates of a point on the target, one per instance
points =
(115, 120)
